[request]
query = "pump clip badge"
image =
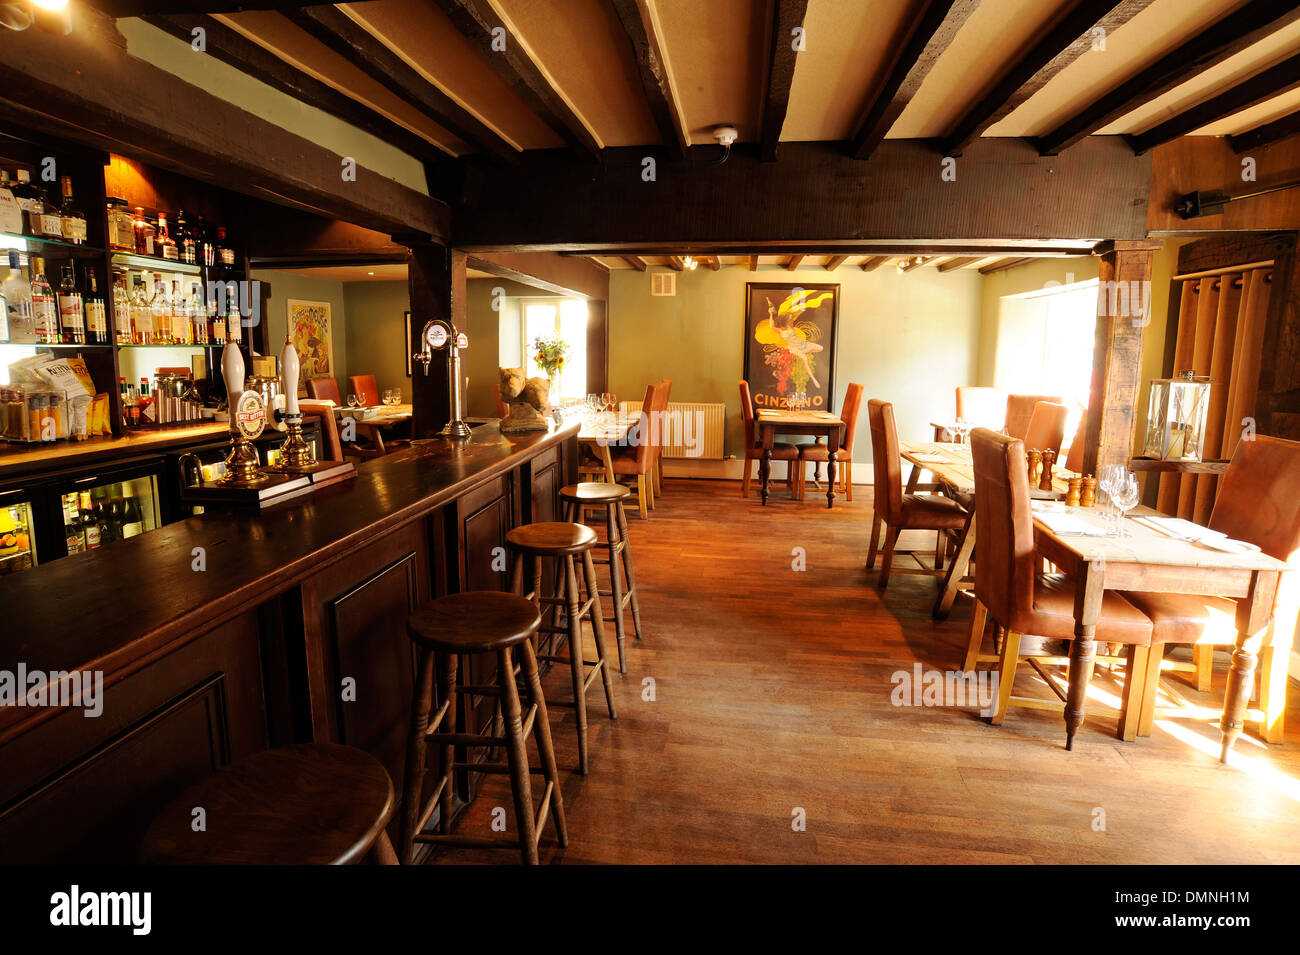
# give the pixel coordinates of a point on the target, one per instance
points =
(250, 414)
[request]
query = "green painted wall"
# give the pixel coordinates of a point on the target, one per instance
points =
(376, 332)
(284, 286)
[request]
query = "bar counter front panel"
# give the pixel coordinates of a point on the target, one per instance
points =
(295, 631)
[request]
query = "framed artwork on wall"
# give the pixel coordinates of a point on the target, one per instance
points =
(311, 327)
(790, 343)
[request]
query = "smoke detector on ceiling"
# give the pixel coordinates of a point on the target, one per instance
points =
(725, 135)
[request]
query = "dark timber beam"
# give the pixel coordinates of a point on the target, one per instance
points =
(871, 263)
(1001, 265)
(1232, 34)
(916, 262)
(1069, 39)
(86, 88)
(1288, 125)
(753, 263)
(958, 262)
(834, 262)
(477, 20)
(787, 20)
(246, 56)
(635, 261)
(648, 54)
(141, 8)
(676, 264)
(713, 262)
(934, 31)
(1258, 89)
(793, 262)
(364, 50)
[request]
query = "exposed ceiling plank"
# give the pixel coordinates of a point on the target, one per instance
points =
(360, 47)
(1064, 43)
(1268, 133)
(787, 20)
(478, 20)
(1229, 36)
(793, 263)
(713, 262)
(916, 262)
(753, 263)
(648, 53)
(957, 262)
(676, 264)
(140, 8)
(1260, 88)
(1002, 265)
(934, 31)
(636, 262)
(834, 262)
(595, 260)
(246, 56)
(1075, 248)
(873, 262)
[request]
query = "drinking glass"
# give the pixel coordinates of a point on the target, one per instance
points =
(1126, 498)
(352, 401)
(613, 401)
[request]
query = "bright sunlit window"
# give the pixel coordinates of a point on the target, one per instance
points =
(566, 319)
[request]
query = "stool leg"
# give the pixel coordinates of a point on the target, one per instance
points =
(627, 568)
(575, 659)
(381, 853)
(413, 777)
(615, 580)
(447, 691)
(545, 748)
(598, 630)
(517, 575)
(517, 758)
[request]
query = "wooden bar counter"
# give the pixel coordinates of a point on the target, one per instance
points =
(228, 633)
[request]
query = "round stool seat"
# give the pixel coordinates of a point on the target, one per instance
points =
(309, 804)
(551, 538)
(594, 492)
(479, 621)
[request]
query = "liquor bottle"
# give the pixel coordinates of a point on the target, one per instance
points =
(141, 313)
(122, 312)
(217, 323)
(51, 219)
(11, 215)
(225, 254)
(72, 309)
(148, 413)
(45, 309)
(96, 313)
(89, 523)
(132, 520)
(17, 294)
(145, 234)
(164, 243)
(207, 251)
(185, 238)
(234, 323)
(72, 530)
(198, 315)
(29, 201)
(162, 313)
(72, 221)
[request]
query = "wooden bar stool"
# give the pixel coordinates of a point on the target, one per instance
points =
(578, 498)
(566, 541)
(310, 804)
(484, 621)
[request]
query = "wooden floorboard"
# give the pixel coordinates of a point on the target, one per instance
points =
(772, 691)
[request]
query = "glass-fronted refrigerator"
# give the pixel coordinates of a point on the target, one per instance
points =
(107, 504)
(17, 531)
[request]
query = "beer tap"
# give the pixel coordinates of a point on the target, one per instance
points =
(295, 453)
(247, 419)
(443, 336)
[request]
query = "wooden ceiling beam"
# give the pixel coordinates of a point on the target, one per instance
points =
(145, 8)
(647, 51)
(1288, 125)
(753, 263)
(1001, 265)
(787, 20)
(479, 22)
(713, 262)
(1240, 29)
(1065, 42)
(957, 262)
(834, 262)
(635, 261)
(235, 49)
(676, 264)
(934, 31)
(1260, 88)
(873, 262)
(793, 262)
(364, 50)
(916, 262)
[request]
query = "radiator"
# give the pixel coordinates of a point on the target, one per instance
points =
(688, 429)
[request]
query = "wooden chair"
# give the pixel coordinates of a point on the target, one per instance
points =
(327, 389)
(895, 510)
(324, 389)
(1074, 459)
(1020, 409)
(365, 388)
(636, 462)
(818, 452)
(982, 407)
(1046, 427)
(1258, 502)
(781, 450)
(329, 427)
(1009, 588)
(666, 387)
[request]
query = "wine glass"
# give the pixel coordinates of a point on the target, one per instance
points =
(1109, 480)
(352, 401)
(1126, 498)
(613, 402)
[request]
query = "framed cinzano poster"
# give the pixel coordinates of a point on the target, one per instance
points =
(790, 343)
(309, 323)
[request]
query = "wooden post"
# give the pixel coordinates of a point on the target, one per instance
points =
(1123, 312)
(437, 289)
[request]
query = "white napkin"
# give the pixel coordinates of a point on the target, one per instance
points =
(1069, 525)
(1180, 529)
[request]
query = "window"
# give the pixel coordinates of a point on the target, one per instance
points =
(567, 319)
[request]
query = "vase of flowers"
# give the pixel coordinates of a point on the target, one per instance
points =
(548, 353)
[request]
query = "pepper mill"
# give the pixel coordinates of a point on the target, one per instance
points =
(1074, 492)
(1035, 466)
(1088, 497)
(1045, 481)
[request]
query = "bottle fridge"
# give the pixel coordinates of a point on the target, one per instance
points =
(17, 531)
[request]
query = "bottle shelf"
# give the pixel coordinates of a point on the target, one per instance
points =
(150, 263)
(58, 345)
(190, 345)
(81, 249)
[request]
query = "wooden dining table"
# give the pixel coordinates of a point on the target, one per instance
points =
(769, 422)
(603, 431)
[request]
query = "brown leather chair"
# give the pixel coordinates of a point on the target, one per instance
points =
(365, 388)
(636, 461)
(324, 389)
(1258, 502)
(895, 510)
(818, 452)
(1020, 409)
(982, 407)
(1009, 588)
(329, 427)
(1074, 459)
(1047, 427)
(781, 450)
(656, 469)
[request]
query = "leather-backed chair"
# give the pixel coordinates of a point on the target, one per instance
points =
(1074, 459)
(329, 427)
(656, 469)
(893, 509)
(1258, 502)
(636, 461)
(818, 452)
(365, 388)
(781, 450)
(1010, 589)
(324, 389)
(1020, 410)
(1047, 427)
(982, 407)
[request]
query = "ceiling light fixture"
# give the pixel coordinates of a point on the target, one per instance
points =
(690, 263)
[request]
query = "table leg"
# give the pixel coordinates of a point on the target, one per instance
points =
(1088, 593)
(830, 480)
(956, 570)
(764, 468)
(913, 479)
(1252, 625)
(607, 459)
